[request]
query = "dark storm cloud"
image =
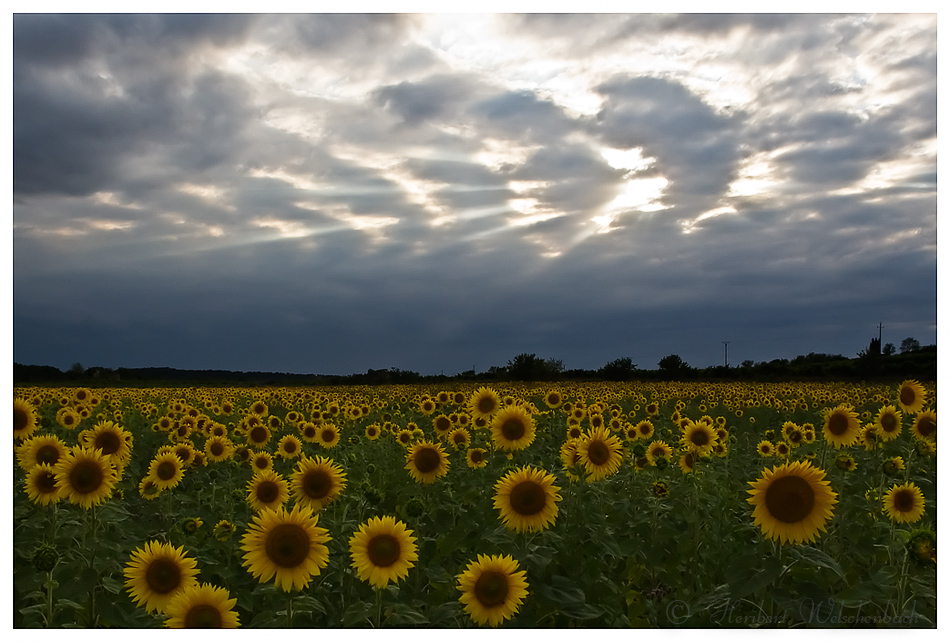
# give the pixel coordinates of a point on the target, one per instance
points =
(331, 193)
(696, 148)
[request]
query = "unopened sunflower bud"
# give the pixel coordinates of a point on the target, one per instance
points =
(45, 558)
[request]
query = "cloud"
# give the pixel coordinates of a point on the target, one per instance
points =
(340, 192)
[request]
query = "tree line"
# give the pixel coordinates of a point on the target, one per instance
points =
(912, 361)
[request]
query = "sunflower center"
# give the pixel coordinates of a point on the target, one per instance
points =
(554, 399)
(203, 616)
(475, 456)
(86, 477)
(926, 426)
(528, 498)
(889, 423)
(309, 432)
(459, 437)
(513, 429)
(166, 471)
(258, 434)
(163, 576)
(261, 463)
(491, 588)
(383, 550)
(598, 453)
(486, 405)
(699, 437)
(328, 435)
(790, 499)
(287, 545)
(47, 455)
(904, 501)
(217, 448)
(317, 484)
(20, 419)
(267, 491)
(427, 460)
(442, 424)
(46, 482)
(908, 396)
(837, 424)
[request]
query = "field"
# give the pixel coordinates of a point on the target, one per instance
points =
(513, 505)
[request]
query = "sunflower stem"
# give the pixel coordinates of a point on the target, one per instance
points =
(49, 598)
(379, 607)
(290, 610)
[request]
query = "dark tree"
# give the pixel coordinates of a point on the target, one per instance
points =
(621, 369)
(910, 344)
(672, 363)
(888, 349)
(530, 367)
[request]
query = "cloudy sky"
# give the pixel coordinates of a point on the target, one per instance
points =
(332, 193)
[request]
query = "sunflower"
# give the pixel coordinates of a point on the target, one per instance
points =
(111, 439)
(267, 489)
(40, 485)
(383, 550)
(601, 453)
(660, 489)
(922, 546)
(841, 426)
(85, 476)
(475, 458)
(658, 449)
(202, 606)
(223, 530)
(328, 436)
(165, 470)
(460, 438)
(793, 502)
(218, 448)
(372, 432)
(40, 449)
(484, 403)
(888, 423)
(68, 418)
(257, 434)
(308, 431)
(317, 482)
(904, 503)
(261, 460)
(911, 396)
(527, 499)
(493, 589)
(925, 426)
(185, 451)
(553, 399)
(442, 425)
(571, 459)
(426, 461)
(688, 462)
(782, 449)
(24, 418)
(289, 447)
(288, 546)
(845, 462)
(156, 572)
(512, 428)
(644, 429)
(698, 437)
(765, 448)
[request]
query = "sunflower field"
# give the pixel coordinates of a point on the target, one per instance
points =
(608, 505)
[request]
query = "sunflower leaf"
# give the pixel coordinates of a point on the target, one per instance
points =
(816, 557)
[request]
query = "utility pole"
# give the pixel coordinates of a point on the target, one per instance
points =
(725, 346)
(880, 328)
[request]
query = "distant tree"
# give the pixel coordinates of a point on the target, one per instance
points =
(888, 349)
(621, 369)
(672, 363)
(910, 344)
(873, 349)
(530, 367)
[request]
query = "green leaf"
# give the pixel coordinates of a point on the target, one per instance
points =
(750, 573)
(815, 557)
